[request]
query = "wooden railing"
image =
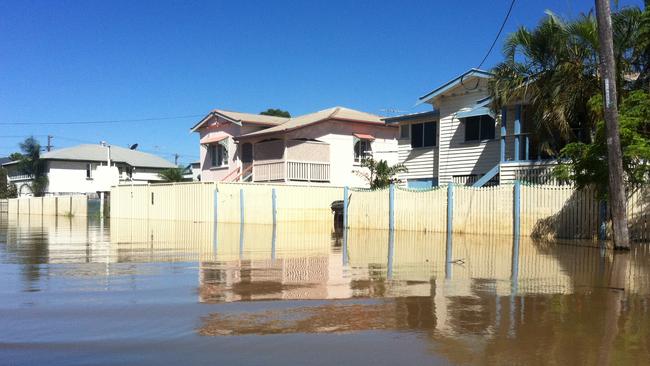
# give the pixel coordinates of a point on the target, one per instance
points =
(308, 171)
(266, 172)
(305, 171)
(16, 177)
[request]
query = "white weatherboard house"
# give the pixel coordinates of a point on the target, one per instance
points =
(462, 141)
(320, 148)
(91, 169)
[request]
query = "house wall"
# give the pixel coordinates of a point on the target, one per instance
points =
(422, 163)
(218, 125)
(338, 134)
(458, 157)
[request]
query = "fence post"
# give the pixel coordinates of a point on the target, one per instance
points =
(602, 220)
(345, 207)
(241, 205)
(516, 208)
(215, 206)
(391, 207)
(273, 206)
(450, 207)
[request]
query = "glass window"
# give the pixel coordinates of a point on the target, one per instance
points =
(416, 135)
(479, 128)
(362, 149)
(247, 153)
(424, 134)
(218, 155)
(89, 171)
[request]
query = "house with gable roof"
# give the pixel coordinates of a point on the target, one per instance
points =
(462, 141)
(320, 148)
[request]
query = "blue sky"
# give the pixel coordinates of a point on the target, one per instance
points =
(63, 61)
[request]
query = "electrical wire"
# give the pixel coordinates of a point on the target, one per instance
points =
(103, 121)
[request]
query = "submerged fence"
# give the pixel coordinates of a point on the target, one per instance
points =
(540, 211)
(73, 205)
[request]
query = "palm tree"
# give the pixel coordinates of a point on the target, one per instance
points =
(30, 163)
(379, 174)
(553, 68)
(172, 175)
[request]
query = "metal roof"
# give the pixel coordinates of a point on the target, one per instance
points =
(88, 152)
(452, 83)
(240, 117)
(334, 113)
(412, 116)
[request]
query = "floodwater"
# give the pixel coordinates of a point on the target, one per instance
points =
(77, 291)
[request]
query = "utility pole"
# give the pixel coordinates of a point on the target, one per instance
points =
(49, 142)
(614, 159)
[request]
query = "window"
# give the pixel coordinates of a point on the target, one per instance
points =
(89, 171)
(404, 131)
(362, 149)
(479, 128)
(218, 155)
(424, 134)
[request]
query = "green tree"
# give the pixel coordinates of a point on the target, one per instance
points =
(30, 163)
(586, 163)
(4, 184)
(276, 113)
(554, 69)
(379, 174)
(172, 175)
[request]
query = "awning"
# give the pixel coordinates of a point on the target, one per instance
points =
(363, 136)
(482, 108)
(214, 138)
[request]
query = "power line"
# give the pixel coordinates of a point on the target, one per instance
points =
(503, 24)
(104, 121)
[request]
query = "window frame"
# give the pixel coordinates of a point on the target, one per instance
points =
(423, 127)
(359, 154)
(405, 131)
(482, 119)
(218, 156)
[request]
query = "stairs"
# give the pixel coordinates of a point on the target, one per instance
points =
(487, 176)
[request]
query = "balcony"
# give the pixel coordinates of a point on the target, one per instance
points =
(291, 160)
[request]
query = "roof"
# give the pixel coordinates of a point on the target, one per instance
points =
(88, 152)
(239, 118)
(334, 113)
(481, 108)
(412, 116)
(208, 139)
(452, 83)
(4, 160)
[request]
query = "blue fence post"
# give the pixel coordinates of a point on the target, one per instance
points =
(602, 219)
(504, 114)
(450, 207)
(391, 207)
(274, 205)
(241, 205)
(215, 204)
(345, 207)
(391, 252)
(516, 205)
(517, 130)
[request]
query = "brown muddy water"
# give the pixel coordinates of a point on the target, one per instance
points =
(78, 291)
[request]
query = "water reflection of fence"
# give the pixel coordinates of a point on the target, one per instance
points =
(544, 211)
(72, 205)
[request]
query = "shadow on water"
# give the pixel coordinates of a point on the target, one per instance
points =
(468, 299)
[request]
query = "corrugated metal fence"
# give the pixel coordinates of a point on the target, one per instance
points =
(545, 211)
(73, 205)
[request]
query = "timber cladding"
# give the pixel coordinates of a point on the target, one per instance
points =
(545, 211)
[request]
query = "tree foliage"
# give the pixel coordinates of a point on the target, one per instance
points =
(276, 113)
(172, 175)
(30, 163)
(586, 163)
(553, 68)
(379, 174)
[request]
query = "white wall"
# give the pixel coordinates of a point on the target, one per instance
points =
(421, 162)
(458, 157)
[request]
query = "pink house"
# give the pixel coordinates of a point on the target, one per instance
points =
(324, 147)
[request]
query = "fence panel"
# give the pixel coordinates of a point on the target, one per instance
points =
(49, 205)
(638, 215)
(368, 209)
(483, 210)
(421, 210)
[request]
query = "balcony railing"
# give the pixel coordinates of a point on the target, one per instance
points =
(291, 170)
(16, 177)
